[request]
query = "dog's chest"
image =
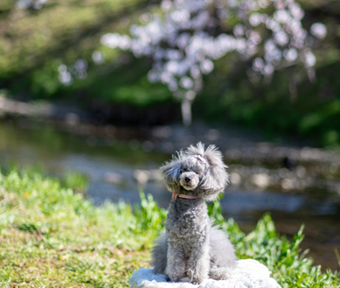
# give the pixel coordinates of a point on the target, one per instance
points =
(187, 219)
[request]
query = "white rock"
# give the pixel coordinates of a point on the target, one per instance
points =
(141, 176)
(113, 177)
(247, 273)
(235, 178)
(261, 180)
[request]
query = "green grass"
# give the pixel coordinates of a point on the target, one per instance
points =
(53, 237)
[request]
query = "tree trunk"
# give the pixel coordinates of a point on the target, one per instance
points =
(186, 107)
(186, 112)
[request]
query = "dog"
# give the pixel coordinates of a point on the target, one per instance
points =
(191, 249)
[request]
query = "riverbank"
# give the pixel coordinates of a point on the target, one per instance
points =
(53, 237)
(286, 165)
(298, 184)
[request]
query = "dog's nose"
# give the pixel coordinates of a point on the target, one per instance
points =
(187, 179)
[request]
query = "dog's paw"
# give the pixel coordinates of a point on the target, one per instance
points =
(176, 278)
(195, 278)
(196, 281)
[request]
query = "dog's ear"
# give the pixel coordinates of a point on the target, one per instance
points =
(216, 178)
(171, 171)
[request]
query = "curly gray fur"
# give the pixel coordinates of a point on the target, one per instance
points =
(191, 249)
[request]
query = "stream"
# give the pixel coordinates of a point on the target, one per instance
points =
(297, 185)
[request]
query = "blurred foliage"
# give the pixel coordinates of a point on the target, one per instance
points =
(75, 181)
(312, 115)
(34, 43)
(290, 102)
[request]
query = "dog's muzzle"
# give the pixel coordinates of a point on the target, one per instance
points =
(189, 180)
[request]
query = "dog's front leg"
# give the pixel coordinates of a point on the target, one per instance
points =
(175, 268)
(198, 264)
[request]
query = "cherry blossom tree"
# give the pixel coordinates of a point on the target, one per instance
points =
(187, 36)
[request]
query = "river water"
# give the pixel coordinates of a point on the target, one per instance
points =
(117, 162)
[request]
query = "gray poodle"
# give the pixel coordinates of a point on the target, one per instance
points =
(191, 249)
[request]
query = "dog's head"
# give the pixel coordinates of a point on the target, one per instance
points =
(196, 171)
